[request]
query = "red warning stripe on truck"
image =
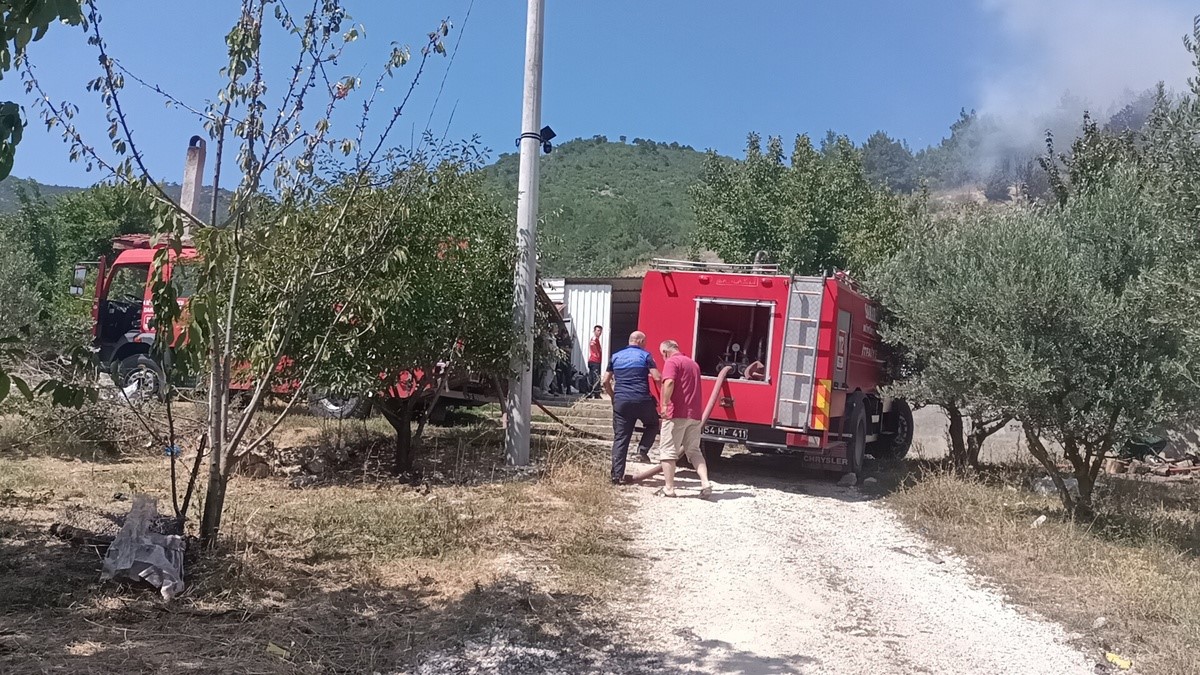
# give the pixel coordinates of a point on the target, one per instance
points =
(821, 402)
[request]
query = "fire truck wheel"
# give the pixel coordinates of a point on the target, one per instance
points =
(895, 445)
(142, 371)
(712, 452)
(856, 448)
(439, 414)
(336, 407)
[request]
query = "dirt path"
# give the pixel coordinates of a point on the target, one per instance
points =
(797, 575)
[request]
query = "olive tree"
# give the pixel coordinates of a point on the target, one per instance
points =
(1056, 316)
(930, 346)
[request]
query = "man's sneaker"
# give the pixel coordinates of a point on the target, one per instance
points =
(643, 458)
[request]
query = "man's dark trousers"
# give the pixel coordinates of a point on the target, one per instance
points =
(594, 379)
(626, 414)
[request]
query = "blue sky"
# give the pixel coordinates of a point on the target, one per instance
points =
(700, 72)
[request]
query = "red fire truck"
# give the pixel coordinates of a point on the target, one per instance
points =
(122, 311)
(800, 357)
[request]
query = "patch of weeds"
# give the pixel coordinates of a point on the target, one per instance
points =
(1133, 565)
(392, 529)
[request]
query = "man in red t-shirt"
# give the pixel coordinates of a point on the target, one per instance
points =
(595, 359)
(681, 409)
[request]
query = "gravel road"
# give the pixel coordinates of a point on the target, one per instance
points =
(783, 573)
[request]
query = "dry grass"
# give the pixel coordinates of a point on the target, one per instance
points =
(1136, 565)
(356, 575)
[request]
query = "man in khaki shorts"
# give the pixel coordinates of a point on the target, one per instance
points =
(681, 409)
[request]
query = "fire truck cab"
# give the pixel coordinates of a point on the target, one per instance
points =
(800, 357)
(123, 313)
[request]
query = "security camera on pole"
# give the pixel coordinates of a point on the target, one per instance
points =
(534, 138)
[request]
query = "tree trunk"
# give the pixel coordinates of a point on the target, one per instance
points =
(1083, 506)
(959, 454)
(218, 407)
(1081, 467)
(400, 415)
(974, 445)
(981, 430)
(1039, 452)
(214, 506)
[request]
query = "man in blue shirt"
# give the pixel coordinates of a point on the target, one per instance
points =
(627, 383)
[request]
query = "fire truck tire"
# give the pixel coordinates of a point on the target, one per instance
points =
(895, 445)
(856, 447)
(339, 407)
(712, 451)
(439, 414)
(144, 371)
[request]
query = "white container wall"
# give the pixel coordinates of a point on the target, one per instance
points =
(588, 305)
(555, 289)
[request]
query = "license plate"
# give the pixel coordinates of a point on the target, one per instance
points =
(736, 433)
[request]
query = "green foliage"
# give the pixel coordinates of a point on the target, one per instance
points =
(1053, 316)
(88, 220)
(952, 162)
(386, 280)
(817, 212)
(1094, 156)
(426, 278)
(34, 226)
(19, 279)
(39, 244)
(12, 127)
(23, 22)
(1081, 317)
(606, 206)
(889, 163)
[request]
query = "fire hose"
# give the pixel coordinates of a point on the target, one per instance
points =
(716, 392)
(712, 403)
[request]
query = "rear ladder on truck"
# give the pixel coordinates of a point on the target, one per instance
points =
(794, 400)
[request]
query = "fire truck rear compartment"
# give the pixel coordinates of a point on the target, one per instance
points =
(736, 334)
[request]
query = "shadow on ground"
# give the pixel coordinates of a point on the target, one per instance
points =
(785, 473)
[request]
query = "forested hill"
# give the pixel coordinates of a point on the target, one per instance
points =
(12, 187)
(608, 204)
(13, 190)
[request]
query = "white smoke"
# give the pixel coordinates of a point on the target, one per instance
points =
(1096, 50)
(1062, 57)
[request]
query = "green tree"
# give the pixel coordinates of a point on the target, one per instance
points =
(19, 281)
(34, 226)
(889, 163)
(811, 213)
(286, 147)
(931, 347)
(87, 221)
(952, 162)
(1057, 316)
(440, 311)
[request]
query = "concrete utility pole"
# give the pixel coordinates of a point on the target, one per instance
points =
(520, 388)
